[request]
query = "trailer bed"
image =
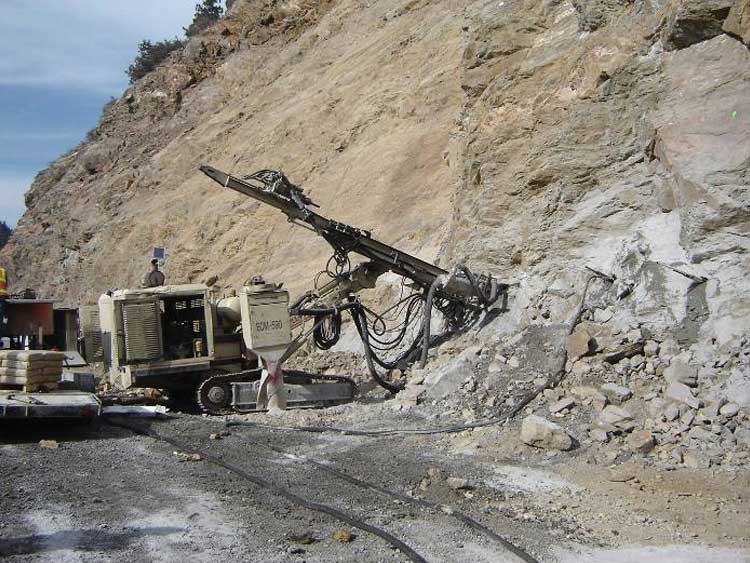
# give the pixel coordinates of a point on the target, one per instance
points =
(59, 404)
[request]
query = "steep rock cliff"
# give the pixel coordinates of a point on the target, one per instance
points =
(532, 138)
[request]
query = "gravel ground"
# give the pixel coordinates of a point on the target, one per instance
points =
(109, 494)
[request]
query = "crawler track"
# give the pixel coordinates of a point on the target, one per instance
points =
(322, 470)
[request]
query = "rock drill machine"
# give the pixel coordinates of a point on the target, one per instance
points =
(187, 340)
(459, 295)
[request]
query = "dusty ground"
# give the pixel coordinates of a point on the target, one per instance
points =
(110, 495)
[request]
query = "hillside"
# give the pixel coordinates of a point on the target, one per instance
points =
(530, 138)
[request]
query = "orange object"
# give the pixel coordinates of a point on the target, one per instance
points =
(3, 283)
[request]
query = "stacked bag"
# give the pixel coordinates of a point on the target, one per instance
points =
(33, 370)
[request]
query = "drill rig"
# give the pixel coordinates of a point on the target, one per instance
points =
(459, 295)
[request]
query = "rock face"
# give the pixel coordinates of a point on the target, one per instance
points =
(531, 139)
(541, 433)
(695, 21)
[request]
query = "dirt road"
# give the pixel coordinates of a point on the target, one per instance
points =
(113, 495)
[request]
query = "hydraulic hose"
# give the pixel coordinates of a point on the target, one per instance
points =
(437, 282)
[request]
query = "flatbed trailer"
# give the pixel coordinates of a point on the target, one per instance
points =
(54, 405)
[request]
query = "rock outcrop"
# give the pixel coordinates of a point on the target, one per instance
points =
(532, 138)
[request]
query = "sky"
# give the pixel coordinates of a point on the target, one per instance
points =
(60, 62)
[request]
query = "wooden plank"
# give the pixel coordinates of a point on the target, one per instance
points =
(26, 364)
(20, 372)
(29, 355)
(16, 380)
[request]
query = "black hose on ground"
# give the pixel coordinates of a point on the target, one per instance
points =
(463, 518)
(281, 491)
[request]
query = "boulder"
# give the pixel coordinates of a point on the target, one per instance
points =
(616, 393)
(617, 417)
(579, 343)
(651, 348)
(585, 392)
(641, 440)
(729, 410)
(541, 433)
(702, 435)
(680, 372)
(682, 394)
(448, 378)
(562, 404)
(695, 21)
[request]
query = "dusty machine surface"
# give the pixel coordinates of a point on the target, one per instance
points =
(185, 339)
(170, 337)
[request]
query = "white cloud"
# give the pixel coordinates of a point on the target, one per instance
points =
(84, 44)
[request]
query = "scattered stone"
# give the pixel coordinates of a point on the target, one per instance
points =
(562, 404)
(457, 483)
(668, 349)
(617, 417)
(641, 440)
(621, 474)
(48, 444)
(591, 394)
(680, 372)
(687, 418)
(448, 378)
(729, 410)
(637, 361)
(672, 412)
(698, 433)
(651, 348)
(624, 351)
(514, 362)
(495, 366)
(742, 435)
(616, 393)
(599, 434)
(215, 436)
(656, 407)
(305, 538)
(580, 343)
(682, 394)
(185, 456)
(411, 395)
(541, 433)
(342, 536)
(711, 409)
(695, 460)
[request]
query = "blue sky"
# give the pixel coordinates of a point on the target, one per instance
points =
(60, 62)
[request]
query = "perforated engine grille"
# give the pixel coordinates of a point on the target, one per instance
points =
(142, 331)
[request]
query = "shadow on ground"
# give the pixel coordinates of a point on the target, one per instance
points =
(79, 540)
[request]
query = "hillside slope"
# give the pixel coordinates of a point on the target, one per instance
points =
(529, 137)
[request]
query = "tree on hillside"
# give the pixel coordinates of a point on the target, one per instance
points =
(150, 55)
(206, 14)
(5, 232)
